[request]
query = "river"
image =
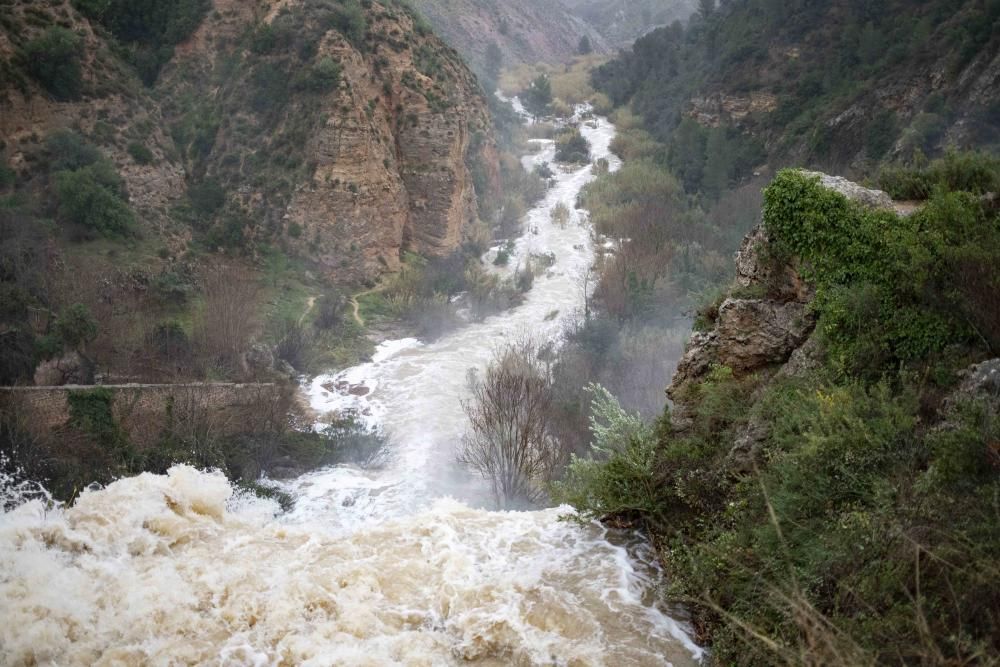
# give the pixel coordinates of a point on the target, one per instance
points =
(406, 565)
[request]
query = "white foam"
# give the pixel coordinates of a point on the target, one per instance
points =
(158, 569)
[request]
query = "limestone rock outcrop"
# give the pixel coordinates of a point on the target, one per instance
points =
(773, 332)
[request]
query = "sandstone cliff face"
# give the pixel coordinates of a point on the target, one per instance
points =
(348, 177)
(382, 157)
(768, 334)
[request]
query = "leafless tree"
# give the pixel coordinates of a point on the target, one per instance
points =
(509, 441)
(228, 321)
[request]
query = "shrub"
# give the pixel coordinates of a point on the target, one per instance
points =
(619, 477)
(206, 197)
(887, 286)
(150, 28)
(69, 150)
(509, 441)
(87, 198)
(140, 153)
(330, 310)
(76, 327)
(538, 96)
(322, 77)
(53, 59)
(7, 177)
(571, 146)
(348, 18)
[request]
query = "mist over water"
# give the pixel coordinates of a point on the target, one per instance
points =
(403, 565)
(415, 388)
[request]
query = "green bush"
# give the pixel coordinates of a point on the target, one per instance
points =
(207, 197)
(538, 96)
(619, 478)
(7, 177)
(890, 288)
(76, 327)
(53, 59)
(978, 173)
(91, 198)
(148, 28)
(348, 18)
(69, 150)
(322, 77)
(571, 146)
(140, 153)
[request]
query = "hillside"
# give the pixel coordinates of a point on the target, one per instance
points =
(839, 85)
(622, 22)
(822, 487)
(522, 31)
(305, 147)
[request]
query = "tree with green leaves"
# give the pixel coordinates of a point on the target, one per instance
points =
(585, 47)
(538, 96)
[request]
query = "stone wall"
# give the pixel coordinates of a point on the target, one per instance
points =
(144, 410)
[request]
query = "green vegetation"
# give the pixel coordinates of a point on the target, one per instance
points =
(835, 56)
(53, 59)
(893, 289)
(91, 197)
(569, 84)
(861, 527)
(147, 30)
(572, 147)
(140, 153)
(538, 96)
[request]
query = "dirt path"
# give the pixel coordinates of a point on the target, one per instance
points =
(310, 302)
(356, 307)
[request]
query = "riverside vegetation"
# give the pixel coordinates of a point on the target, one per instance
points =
(842, 510)
(144, 231)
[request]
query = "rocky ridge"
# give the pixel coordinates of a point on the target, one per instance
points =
(765, 324)
(348, 178)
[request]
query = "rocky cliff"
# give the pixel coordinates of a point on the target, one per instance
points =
(340, 131)
(764, 324)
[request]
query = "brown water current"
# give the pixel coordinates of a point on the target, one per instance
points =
(401, 566)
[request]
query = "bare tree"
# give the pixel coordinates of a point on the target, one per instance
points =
(509, 440)
(228, 320)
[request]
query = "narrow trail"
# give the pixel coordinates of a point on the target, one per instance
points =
(310, 302)
(356, 307)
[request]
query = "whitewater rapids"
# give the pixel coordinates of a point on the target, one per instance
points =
(171, 570)
(370, 567)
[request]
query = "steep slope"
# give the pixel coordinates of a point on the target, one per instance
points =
(525, 31)
(838, 85)
(621, 22)
(340, 132)
(352, 144)
(159, 155)
(822, 474)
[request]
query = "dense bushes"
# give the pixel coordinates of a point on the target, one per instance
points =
(571, 146)
(53, 59)
(88, 189)
(147, 29)
(89, 198)
(843, 52)
(860, 525)
(890, 288)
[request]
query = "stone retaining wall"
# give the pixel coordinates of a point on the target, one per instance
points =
(145, 410)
